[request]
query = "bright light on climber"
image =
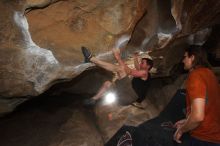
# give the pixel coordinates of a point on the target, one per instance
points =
(110, 98)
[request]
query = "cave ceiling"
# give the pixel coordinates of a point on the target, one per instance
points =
(40, 40)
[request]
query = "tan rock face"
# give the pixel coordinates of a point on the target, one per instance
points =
(169, 26)
(67, 25)
(46, 47)
(40, 44)
(41, 40)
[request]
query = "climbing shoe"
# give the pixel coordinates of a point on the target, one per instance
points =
(87, 54)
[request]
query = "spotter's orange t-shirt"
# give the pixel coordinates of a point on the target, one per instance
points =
(202, 83)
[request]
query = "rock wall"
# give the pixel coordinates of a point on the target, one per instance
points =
(40, 40)
(37, 52)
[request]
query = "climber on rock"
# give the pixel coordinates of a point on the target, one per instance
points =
(134, 89)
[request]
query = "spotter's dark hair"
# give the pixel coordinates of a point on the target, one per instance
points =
(200, 56)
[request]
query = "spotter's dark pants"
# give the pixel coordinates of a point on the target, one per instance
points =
(197, 142)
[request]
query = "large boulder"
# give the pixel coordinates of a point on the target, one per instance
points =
(37, 52)
(41, 40)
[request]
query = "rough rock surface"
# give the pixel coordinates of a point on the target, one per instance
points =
(50, 121)
(32, 61)
(40, 42)
(62, 120)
